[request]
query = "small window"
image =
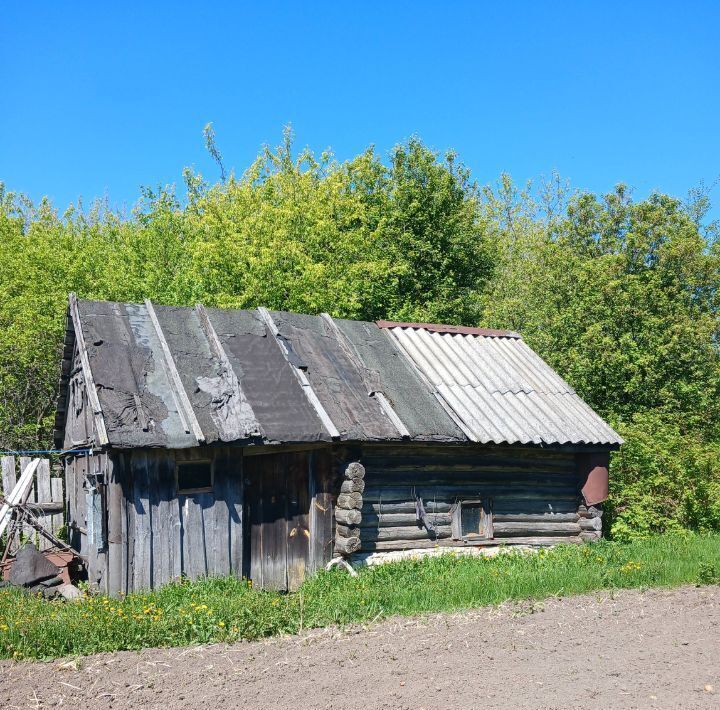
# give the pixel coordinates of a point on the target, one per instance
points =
(472, 520)
(194, 476)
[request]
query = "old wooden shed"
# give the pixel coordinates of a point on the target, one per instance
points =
(263, 443)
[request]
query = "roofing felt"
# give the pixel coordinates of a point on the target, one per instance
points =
(180, 377)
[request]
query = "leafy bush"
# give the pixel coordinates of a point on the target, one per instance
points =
(663, 479)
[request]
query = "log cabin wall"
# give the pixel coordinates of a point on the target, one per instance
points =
(532, 494)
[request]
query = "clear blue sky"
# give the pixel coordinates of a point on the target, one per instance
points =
(100, 98)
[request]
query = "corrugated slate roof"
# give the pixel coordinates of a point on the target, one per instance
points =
(180, 377)
(500, 390)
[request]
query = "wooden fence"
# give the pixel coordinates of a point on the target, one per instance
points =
(46, 492)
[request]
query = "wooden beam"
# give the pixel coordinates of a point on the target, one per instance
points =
(18, 494)
(301, 376)
(87, 374)
(182, 401)
(382, 400)
(508, 542)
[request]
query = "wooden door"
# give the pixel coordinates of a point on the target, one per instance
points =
(277, 504)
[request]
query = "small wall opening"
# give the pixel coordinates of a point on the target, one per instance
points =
(194, 476)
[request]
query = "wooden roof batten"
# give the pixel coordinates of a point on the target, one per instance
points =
(382, 400)
(182, 401)
(300, 375)
(90, 386)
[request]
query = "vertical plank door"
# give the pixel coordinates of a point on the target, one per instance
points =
(277, 508)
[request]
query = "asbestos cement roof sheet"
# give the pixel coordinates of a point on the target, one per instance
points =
(499, 389)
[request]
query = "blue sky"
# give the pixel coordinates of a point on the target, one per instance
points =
(100, 98)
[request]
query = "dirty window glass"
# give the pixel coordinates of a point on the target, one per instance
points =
(471, 518)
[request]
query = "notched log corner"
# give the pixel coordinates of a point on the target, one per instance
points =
(347, 512)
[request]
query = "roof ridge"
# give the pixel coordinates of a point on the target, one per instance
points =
(455, 329)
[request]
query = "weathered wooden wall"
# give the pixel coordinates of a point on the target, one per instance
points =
(535, 495)
(255, 523)
(149, 534)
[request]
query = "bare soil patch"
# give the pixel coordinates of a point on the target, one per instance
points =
(630, 649)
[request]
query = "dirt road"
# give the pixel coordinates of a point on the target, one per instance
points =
(657, 649)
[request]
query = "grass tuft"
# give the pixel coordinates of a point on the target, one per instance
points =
(229, 609)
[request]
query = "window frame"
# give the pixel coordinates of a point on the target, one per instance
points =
(200, 489)
(486, 520)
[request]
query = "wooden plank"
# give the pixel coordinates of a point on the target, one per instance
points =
(301, 376)
(391, 414)
(89, 548)
(125, 504)
(275, 526)
(115, 540)
(322, 506)
(161, 492)
(87, 374)
(175, 528)
(184, 406)
(195, 560)
(43, 493)
(469, 467)
(19, 493)
(102, 472)
(169, 507)
(233, 495)
(57, 496)
(298, 513)
(512, 506)
(391, 449)
(488, 519)
(27, 533)
(141, 517)
(535, 529)
(218, 519)
(254, 509)
(9, 481)
(9, 477)
(531, 506)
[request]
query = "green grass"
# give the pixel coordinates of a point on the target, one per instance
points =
(228, 609)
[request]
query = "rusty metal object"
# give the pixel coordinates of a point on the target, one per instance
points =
(594, 472)
(67, 563)
(442, 328)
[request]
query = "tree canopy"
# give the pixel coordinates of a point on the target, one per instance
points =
(621, 296)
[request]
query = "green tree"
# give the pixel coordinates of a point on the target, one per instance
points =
(360, 239)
